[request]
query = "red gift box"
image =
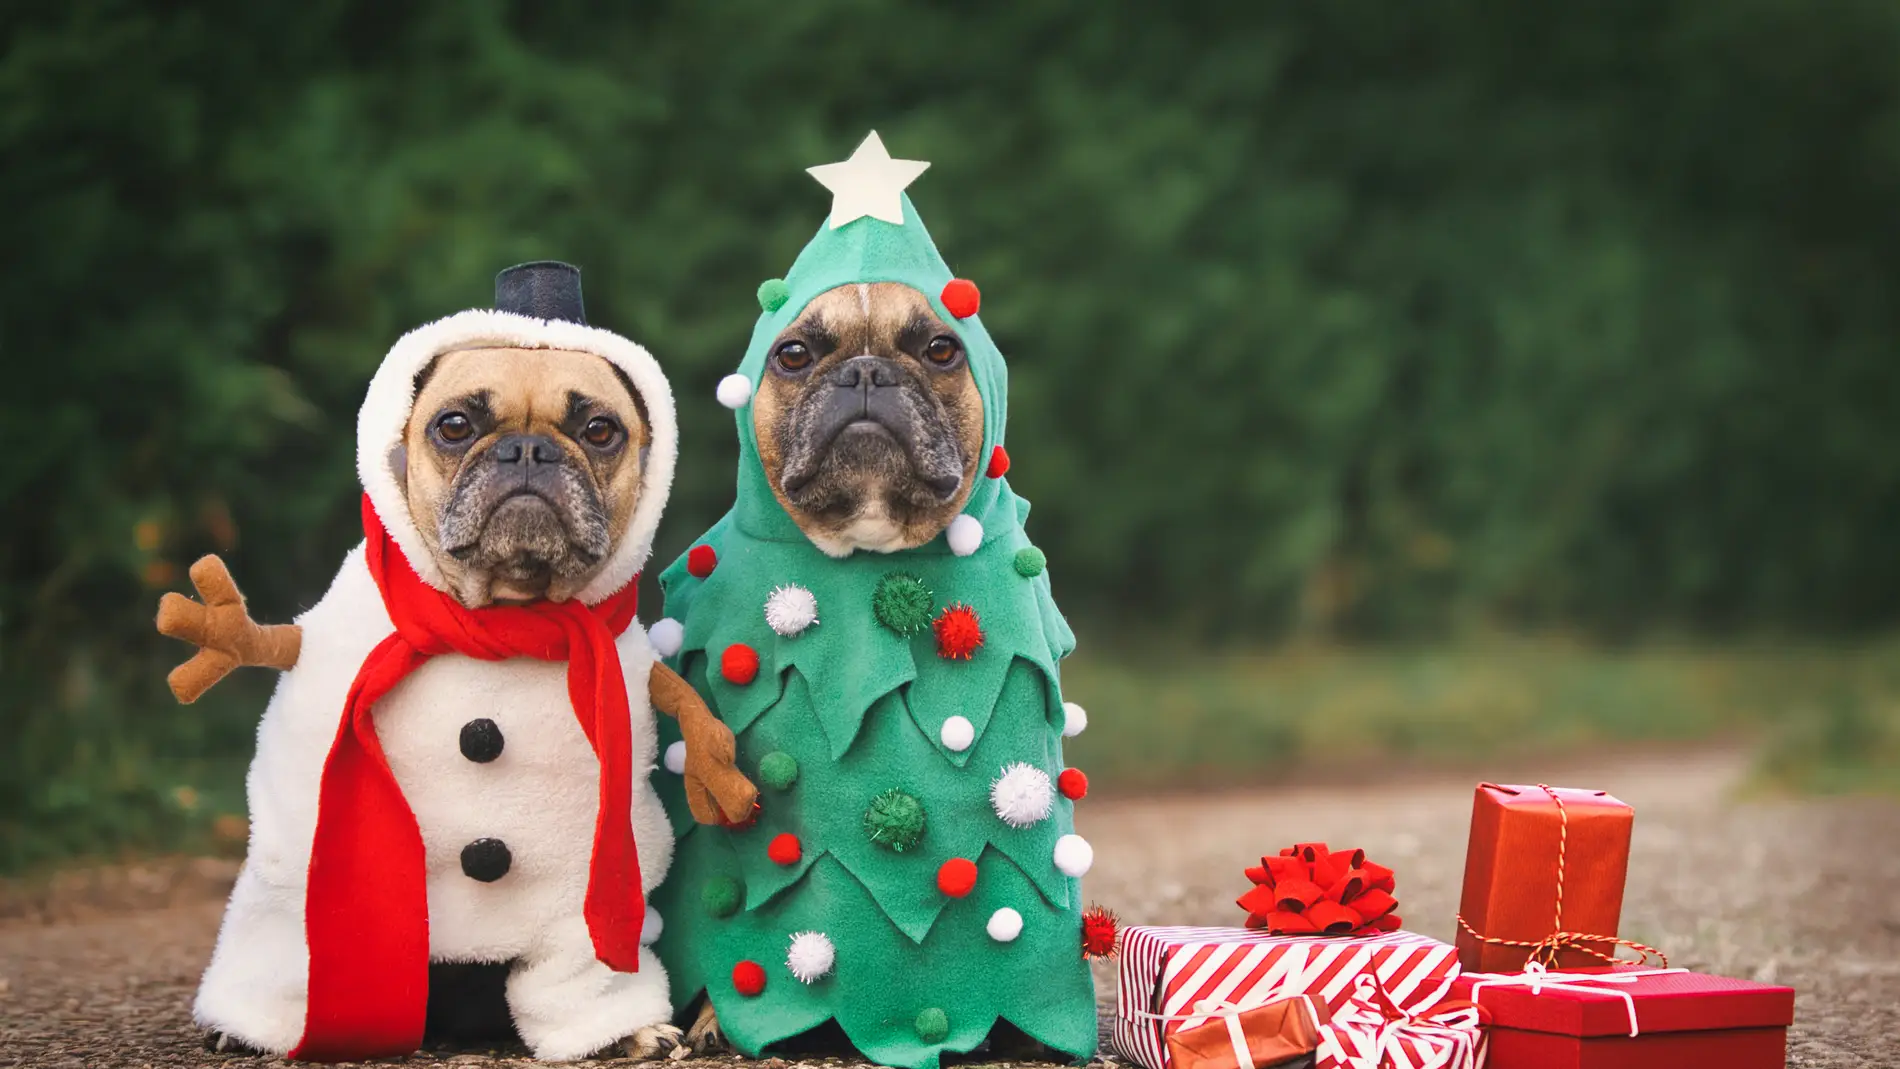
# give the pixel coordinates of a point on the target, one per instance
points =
(1545, 865)
(1173, 979)
(1630, 1017)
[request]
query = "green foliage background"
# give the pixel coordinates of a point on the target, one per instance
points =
(1369, 320)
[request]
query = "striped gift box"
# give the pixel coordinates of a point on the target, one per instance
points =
(1172, 978)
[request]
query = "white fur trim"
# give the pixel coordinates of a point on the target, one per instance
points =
(667, 635)
(965, 535)
(957, 733)
(1005, 925)
(1022, 796)
(734, 391)
(1074, 856)
(811, 956)
(1075, 719)
(392, 393)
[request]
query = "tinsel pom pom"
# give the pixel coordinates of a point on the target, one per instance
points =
(811, 956)
(1022, 795)
(790, 609)
(1100, 928)
(902, 603)
(895, 819)
(959, 632)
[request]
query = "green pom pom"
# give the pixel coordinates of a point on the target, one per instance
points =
(933, 1025)
(902, 603)
(1030, 562)
(720, 896)
(895, 819)
(773, 293)
(778, 770)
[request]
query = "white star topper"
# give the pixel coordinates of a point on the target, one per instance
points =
(869, 183)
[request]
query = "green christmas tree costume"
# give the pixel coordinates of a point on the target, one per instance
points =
(866, 794)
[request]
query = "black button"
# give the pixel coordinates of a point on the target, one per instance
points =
(486, 860)
(481, 740)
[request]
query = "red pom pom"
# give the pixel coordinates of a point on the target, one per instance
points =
(959, 632)
(748, 978)
(1099, 929)
(961, 297)
(784, 849)
(999, 463)
(957, 877)
(739, 664)
(700, 561)
(1073, 783)
(750, 820)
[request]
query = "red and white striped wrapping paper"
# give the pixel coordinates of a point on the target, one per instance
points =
(1167, 973)
(1362, 1036)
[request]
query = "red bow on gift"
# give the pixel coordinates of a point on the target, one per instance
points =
(1310, 890)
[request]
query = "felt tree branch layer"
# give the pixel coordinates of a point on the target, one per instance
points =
(880, 743)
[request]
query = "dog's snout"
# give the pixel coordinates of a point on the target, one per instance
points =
(526, 449)
(865, 373)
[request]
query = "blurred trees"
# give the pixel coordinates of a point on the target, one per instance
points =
(1368, 318)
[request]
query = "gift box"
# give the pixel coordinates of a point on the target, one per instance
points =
(1544, 874)
(1370, 1032)
(1629, 1017)
(1278, 1034)
(1172, 979)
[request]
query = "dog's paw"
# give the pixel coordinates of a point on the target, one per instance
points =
(648, 1044)
(217, 1042)
(704, 1036)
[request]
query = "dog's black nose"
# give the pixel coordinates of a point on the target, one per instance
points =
(526, 449)
(865, 373)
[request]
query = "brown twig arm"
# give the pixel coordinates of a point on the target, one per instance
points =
(716, 791)
(223, 630)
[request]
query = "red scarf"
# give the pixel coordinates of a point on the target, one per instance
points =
(366, 914)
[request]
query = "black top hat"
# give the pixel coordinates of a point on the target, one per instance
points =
(544, 289)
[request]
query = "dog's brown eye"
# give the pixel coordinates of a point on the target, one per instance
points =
(600, 431)
(943, 350)
(454, 427)
(793, 356)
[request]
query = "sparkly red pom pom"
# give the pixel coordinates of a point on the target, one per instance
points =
(961, 297)
(700, 561)
(1099, 931)
(748, 978)
(1073, 783)
(957, 877)
(750, 819)
(959, 632)
(999, 463)
(784, 849)
(739, 664)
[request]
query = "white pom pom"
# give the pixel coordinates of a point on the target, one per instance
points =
(1022, 795)
(734, 391)
(666, 636)
(790, 609)
(676, 758)
(957, 734)
(651, 928)
(811, 956)
(1075, 719)
(965, 535)
(1074, 855)
(1005, 925)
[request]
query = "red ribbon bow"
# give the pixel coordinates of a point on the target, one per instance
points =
(1310, 890)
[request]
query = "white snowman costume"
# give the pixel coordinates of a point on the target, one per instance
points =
(536, 796)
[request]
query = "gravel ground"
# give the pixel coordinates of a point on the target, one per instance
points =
(98, 969)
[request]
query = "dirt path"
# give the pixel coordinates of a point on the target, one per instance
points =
(1801, 892)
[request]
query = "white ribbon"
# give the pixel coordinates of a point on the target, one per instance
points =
(1538, 978)
(1453, 1039)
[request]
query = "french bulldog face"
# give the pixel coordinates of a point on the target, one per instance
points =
(868, 420)
(523, 468)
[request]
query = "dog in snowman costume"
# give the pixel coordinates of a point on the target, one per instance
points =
(452, 772)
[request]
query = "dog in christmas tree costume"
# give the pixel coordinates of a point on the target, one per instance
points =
(876, 627)
(452, 774)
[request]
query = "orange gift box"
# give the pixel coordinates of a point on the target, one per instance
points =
(1522, 838)
(1273, 1034)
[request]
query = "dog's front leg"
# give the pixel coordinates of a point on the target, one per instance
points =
(567, 1004)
